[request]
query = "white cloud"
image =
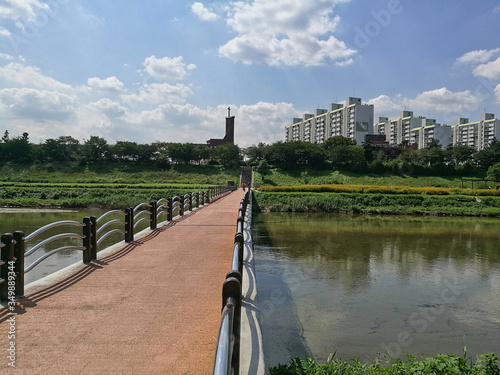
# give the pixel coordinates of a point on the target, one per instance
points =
(383, 104)
(6, 57)
(110, 84)
(497, 93)
(30, 76)
(166, 69)
(347, 62)
(109, 108)
(4, 32)
(284, 32)
(443, 100)
(477, 57)
(156, 93)
(38, 105)
(203, 13)
(489, 70)
(439, 100)
(16, 9)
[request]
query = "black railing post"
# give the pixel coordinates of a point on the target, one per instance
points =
(181, 209)
(170, 203)
(87, 233)
(93, 238)
(152, 216)
(197, 195)
(190, 201)
(128, 218)
(19, 265)
(6, 255)
(131, 224)
(231, 292)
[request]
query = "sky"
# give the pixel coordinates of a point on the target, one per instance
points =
(166, 70)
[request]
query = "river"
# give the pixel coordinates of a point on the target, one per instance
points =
(371, 286)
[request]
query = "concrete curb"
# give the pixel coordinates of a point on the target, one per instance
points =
(251, 348)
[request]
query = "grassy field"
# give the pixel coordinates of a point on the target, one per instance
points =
(314, 177)
(408, 204)
(341, 192)
(133, 173)
(105, 187)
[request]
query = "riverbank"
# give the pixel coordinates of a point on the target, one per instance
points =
(396, 204)
(486, 364)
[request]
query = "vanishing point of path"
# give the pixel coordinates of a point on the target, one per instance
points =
(152, 307)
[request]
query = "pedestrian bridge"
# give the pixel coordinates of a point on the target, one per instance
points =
(151, 306)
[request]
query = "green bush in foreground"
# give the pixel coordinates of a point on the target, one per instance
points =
(486, 364)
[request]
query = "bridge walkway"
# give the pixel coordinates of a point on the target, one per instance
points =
(152, 307)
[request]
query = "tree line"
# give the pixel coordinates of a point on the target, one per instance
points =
(340, 153)
(336, 153)
(67, 150)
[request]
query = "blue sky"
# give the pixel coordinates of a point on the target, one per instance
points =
(166, 70)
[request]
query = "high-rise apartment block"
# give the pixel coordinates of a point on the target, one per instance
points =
(477, 135)
(353, 120)
(413, 130)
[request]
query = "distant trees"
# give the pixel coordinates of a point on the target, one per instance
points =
(337, 153)
(341, 153)
(68, 150)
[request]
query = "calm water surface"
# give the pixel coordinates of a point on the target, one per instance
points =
(368, 285)
(30, 220)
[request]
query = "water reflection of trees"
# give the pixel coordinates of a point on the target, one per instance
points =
(352, 249)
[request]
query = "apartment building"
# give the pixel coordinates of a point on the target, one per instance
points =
(477, 135)
(413, 130)
(354, 120)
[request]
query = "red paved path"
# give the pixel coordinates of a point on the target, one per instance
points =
(153, 307)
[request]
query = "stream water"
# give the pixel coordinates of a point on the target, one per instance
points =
(372, 286)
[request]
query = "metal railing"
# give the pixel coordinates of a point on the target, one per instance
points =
(227, 352)
(93, 232)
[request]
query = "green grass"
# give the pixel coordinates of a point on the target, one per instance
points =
(444, 364)
(314, 177)
(106, 186)
(377, 203)
(133, 173)
(85, 196)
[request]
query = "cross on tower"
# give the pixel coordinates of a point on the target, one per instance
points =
(228, 111)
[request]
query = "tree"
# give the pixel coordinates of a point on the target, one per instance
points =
(343, 153)
(338, 141)
(125, 151)
(62, 149)
(95, 149)
(489, 156)
(183, 153)
(263, 168)
(494, 172)
(254, 153)
(290, 155)
(459, 154)
(431, 156)
(348, 158)
(229, 155)
(17, 149)
(5, 137)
